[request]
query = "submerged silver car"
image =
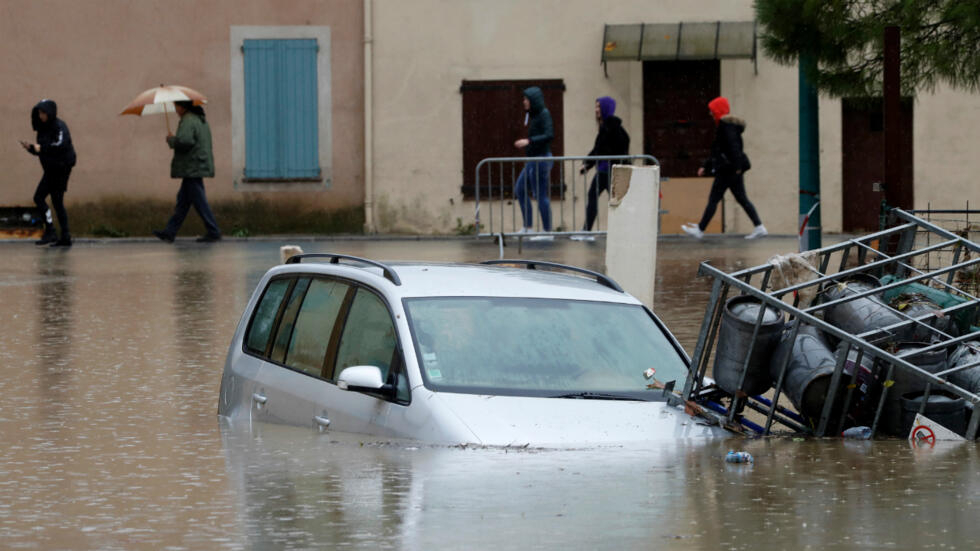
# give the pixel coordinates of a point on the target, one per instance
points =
(502, 353)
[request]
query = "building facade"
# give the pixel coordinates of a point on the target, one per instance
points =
(387, 105)
(284, 82)
(428, 54)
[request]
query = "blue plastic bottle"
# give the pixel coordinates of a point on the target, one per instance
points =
(738, 457)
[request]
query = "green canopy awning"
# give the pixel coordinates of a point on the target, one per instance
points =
(679, 41)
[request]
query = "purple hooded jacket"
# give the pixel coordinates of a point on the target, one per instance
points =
(612, 138)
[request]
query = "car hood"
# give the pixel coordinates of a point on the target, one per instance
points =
(569, 422)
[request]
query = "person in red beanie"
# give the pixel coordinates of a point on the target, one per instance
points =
(727, 164)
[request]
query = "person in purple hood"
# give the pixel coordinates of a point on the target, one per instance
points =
(611, 140)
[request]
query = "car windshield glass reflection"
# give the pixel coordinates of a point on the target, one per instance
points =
(540, 347)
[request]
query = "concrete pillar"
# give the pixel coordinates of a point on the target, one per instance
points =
(631, 241)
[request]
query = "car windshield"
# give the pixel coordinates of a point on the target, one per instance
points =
(541, 347)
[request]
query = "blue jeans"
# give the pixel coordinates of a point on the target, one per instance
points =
(192, 193)
(537, 176)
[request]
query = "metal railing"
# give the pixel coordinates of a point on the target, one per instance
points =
(899, 252)
(501, 175)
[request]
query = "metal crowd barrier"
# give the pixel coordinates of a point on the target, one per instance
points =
(912, 251)
(500, 174)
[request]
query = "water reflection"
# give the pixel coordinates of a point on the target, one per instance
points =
(55, 321)
(111, 358)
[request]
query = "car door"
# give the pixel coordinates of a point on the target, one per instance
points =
(240, 398)
(289, 384)
(369, 337)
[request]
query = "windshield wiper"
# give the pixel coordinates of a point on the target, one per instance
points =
(597, 396)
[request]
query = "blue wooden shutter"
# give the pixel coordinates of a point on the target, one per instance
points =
(281, 133)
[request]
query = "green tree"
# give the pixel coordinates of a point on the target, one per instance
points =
(940, 42)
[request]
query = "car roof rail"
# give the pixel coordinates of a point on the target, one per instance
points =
(533, 265)
(387, 270)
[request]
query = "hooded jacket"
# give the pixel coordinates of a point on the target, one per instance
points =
(57, 151)
(727, 156)
(612, 138)
(540, 130)
(192, 148)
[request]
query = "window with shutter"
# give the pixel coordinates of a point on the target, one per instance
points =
(281, 111)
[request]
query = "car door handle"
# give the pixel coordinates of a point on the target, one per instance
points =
(259, 399)
(322, 421)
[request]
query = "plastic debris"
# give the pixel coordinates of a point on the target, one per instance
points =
(738, 457)
(793, 269)
(857, 433)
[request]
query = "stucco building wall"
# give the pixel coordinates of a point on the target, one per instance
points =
(424, 49)
(93, 57)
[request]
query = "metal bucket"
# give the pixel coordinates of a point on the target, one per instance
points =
(906, 383)
(965, 354)
(734, 339)
(945, 408)
(859, 315)
(808, 372)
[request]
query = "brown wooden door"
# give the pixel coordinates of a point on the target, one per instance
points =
(863, 150)
(677, 128)
(493, 118)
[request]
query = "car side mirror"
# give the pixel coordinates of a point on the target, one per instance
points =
(363, 378)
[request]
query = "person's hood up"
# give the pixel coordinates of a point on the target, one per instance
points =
(536, 97)
(719, 108)
(607, 106)
(49, 107)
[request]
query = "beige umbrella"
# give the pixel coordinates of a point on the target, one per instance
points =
(161, 100)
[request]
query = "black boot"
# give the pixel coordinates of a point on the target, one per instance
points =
(63, 241)
(49, 236)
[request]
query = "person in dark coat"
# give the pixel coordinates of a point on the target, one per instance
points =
(611, 140)
(193, 161)
(54, 149)
(727, 164)
(535, 175)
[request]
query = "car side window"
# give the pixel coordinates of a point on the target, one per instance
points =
(368, 337)
(264, 319)
(285, 331)
(314, 325)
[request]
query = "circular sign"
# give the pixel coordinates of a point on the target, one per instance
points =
(922, 434)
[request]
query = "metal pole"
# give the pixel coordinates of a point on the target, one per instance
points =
(809, 156)
(897, 193)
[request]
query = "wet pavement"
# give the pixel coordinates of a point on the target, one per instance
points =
(110, 362)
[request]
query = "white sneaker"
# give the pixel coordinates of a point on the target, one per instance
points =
(541, 238)
(693, 229)
(759, 231)
(523, 230)
(582, 238)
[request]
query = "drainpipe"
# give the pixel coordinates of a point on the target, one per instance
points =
(368, 121)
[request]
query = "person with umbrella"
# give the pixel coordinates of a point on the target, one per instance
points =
(54, 149)
(193, 161)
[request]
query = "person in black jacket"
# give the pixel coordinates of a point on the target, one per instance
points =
(536, 174)
(54, 149)
(611, 140)
(727, 164)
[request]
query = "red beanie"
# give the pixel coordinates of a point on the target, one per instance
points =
(719, 108)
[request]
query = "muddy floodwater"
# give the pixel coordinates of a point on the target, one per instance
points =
(110, 362)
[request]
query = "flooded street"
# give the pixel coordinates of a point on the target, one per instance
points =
(111, 358)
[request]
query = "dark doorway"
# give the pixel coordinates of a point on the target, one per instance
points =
(863, 150)
(493, 118)
(677, 128)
